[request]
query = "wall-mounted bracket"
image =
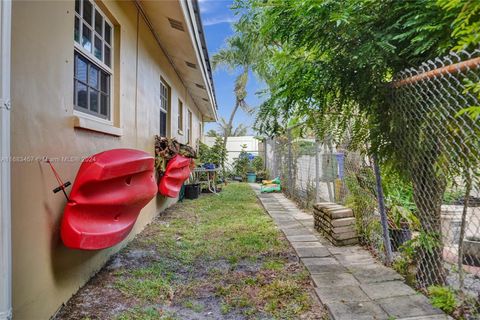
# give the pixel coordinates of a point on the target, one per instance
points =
(5, 104)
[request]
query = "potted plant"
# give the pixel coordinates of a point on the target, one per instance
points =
(241, 165)
(258, 167)
(251, 174)
(401, 222)
(262, 175)
(400, 208)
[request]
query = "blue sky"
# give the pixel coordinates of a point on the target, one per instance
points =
(217, 19)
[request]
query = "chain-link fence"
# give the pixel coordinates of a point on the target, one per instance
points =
(431, 180)
(315, 171)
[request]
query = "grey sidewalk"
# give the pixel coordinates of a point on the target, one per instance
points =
(348, 280)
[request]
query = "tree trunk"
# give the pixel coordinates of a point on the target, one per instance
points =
(228, 130)
(428, 189)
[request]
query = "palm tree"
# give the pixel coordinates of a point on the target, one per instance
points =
(238, 54)
(212, 133)
(227, 131)
(239, 131)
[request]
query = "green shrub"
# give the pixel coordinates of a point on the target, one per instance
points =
(257, 164)
(399, 202)
(215, 154)
(443, 298)
(241, 165)
(453, 195)
(361, 198)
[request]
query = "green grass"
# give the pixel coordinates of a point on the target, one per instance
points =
(274, 264)
(201, 247)
(193, 305)
(148, 313)
(156, 289)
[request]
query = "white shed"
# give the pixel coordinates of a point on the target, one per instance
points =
(234, 146)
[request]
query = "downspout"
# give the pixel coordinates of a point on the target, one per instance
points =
(5, 206)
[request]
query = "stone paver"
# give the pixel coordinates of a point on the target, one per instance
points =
(336, 268)
(340, 294)
(387, 289)
(288, 224)
(311, 252)
(309, 237)
(373, 273)
(408, 306)
(354, 259)
(296, 231)
(334, 279)
(435, 317)
(356, 311)
(348, 280)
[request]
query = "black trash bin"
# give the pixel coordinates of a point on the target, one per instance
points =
(192, 191)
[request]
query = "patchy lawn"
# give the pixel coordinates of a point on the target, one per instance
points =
(217, 257)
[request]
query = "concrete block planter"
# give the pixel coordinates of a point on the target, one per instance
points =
(471, 251)
(336, 223)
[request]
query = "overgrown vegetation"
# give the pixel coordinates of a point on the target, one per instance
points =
(216, 154)
(217, 256)
(241, 165)
(443, 298)
(330, 63)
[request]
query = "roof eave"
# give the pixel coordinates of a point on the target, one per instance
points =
(191, 12)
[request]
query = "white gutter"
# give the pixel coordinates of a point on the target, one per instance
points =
(5, 206)
(193, 26)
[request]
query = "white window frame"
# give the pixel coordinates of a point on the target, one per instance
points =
(99, 63)
(189, 127)
(180, 122)
(166, 109)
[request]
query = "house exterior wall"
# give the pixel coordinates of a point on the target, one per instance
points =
(46, 273)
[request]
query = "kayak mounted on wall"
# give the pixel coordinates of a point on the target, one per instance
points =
(176, 172)
(109, 191)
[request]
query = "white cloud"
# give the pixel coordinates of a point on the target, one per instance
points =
(217, 20)
(207, 6)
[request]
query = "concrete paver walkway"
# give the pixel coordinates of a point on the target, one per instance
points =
(348, 280)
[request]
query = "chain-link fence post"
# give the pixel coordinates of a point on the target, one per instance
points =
(461, 275)
(289, 162)
(317, 170)
(383, 214)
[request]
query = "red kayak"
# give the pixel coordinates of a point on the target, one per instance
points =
(109, 191)
(176, 172)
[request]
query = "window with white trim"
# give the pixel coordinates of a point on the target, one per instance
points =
(189, 127)
(93, 38)
(180, 115)
(164, 107)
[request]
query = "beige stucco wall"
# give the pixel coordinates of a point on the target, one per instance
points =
(45, 273)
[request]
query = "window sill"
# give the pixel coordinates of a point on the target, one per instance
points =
(180, 132)
(97, 126)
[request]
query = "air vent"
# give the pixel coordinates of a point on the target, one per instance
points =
(199, 86)
(175, 24)
(191, 65)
